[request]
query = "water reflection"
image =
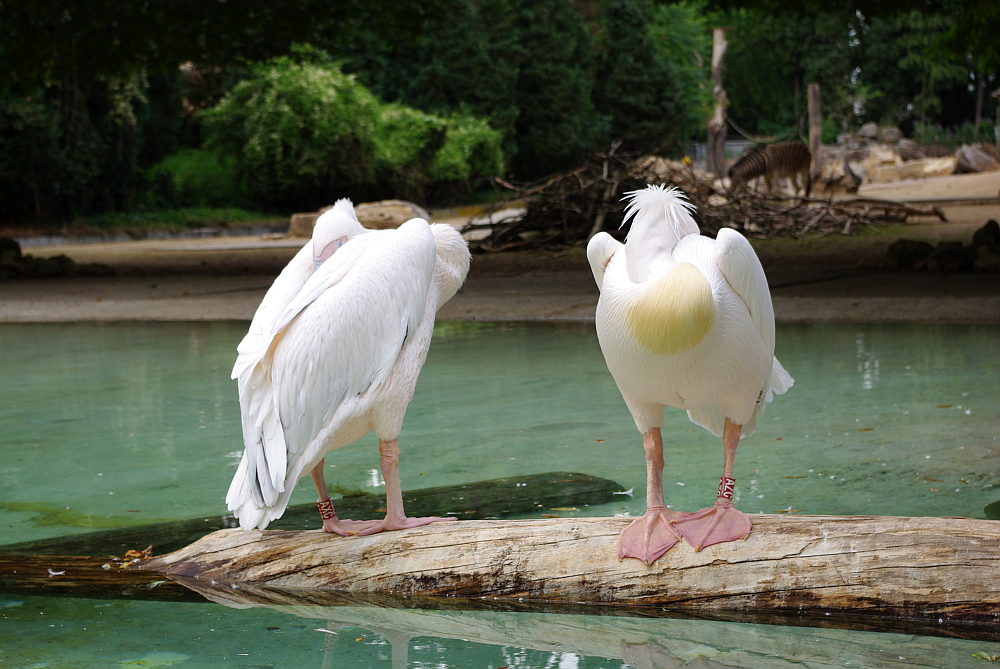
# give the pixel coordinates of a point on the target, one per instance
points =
(255, 626)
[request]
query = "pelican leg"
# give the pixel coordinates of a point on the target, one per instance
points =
(650, 536)
(395, 517)
(331, 523)
(720, 522)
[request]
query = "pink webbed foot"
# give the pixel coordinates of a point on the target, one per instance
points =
(650, 536)
(335, 525)
(347, 527)
(714, 525)
(388, 524)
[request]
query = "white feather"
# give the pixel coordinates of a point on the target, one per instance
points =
(733, 365)
(335, 353)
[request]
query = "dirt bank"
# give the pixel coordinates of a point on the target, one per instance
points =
(829, 279)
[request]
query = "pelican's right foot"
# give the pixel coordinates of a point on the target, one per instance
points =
(649, 537)
(335, 525)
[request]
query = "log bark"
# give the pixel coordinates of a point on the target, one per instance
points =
(916, 568)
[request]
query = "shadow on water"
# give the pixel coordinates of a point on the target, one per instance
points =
(480, 500)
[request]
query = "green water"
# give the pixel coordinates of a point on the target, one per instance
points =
(109, 425)
(57, 633)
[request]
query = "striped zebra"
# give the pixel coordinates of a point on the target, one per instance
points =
(774, 161)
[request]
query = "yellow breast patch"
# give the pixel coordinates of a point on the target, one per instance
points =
(674, 312)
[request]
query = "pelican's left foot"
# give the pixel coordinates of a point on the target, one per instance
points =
(404, 523)
(651, 535)
(714, 525)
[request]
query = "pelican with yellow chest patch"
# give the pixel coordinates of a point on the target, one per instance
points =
(684, 321)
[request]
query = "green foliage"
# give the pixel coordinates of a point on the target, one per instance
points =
(771, 59)
(195, 178)
(135, 224)
(682, 35)
(61, 40)
(71, 148)
(406, 142)
(889, 67)
(917, 34)
(304, 134)
(952, 138)
(472, 150)
(830, 130)
(637, 88)
(525, 65)
(300, 133)
(557, 123)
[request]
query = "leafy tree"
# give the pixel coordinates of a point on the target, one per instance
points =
(45, 42)
(682, 35)
(636, 89)
(523, 64)
(770, 60)
(70, 148)
(910, 53)
(557, 123)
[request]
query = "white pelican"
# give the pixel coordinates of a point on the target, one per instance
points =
(684, 321)
(333, 353)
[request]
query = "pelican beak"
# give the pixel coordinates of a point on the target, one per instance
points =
(327, 252)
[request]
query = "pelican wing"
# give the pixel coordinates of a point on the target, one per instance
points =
(600, 249)
(281, 292)
(737, 261)
(335, 341)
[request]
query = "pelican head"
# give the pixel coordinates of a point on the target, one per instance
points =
(333, 229)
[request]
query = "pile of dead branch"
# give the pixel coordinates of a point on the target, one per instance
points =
(568, 208)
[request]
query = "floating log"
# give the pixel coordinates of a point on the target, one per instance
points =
(495, 498)
(915, 568)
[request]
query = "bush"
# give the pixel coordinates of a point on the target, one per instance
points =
(524, 65)
(471, 151)
(406, 141)
(195, 178)
(952, 138)
(301, 134)
(304, 134)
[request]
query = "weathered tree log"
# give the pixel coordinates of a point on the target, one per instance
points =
(917, 568)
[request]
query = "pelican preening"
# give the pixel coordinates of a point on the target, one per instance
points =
(684, 321)
(336, 346)
(333, 353)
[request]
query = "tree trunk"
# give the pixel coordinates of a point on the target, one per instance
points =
(815, 130)
(717, 122)
(917, 568)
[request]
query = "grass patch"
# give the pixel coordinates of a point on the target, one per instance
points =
(142, 224)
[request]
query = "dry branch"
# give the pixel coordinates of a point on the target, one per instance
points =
(567, 209)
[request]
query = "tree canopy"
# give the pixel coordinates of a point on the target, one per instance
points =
(96, 95)
(43, 42)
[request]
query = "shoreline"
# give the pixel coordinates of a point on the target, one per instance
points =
(225, 278)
